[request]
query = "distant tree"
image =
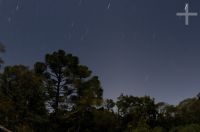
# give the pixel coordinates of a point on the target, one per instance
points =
(166, 116)
(109, 104)
(137, 111)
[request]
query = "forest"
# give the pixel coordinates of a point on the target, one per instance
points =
(61, 95)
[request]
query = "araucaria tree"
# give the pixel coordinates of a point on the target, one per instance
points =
(69, 85)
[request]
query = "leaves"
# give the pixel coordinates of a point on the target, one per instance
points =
(60, 94)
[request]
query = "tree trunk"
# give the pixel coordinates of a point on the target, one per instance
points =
(57, 94)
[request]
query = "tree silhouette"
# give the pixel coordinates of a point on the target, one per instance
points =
(76, 104)
(69, 84)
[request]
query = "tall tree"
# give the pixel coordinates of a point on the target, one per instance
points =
(68, 83)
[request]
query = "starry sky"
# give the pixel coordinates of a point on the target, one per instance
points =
(136, 47)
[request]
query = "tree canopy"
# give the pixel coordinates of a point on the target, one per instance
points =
(60, 94)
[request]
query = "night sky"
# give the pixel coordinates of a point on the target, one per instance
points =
(136, 47)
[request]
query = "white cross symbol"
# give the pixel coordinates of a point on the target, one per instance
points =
(187, 14)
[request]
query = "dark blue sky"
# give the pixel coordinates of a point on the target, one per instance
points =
(137, 47)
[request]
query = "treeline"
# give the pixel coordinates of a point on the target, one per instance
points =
(61, 95)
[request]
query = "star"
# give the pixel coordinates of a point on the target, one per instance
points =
(109, 4)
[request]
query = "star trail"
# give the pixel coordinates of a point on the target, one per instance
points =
(136, 47)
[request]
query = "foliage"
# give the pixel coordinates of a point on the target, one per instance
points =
(137, 111)
(68, 83)
(62, 95)
(22, 97)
